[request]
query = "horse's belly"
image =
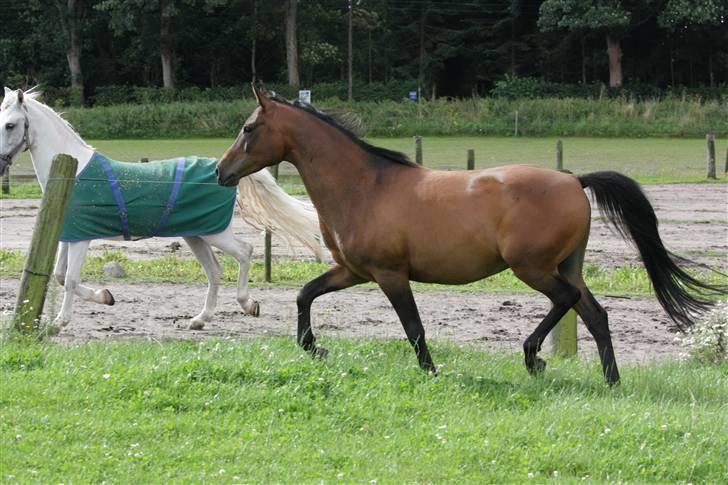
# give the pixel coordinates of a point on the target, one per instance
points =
(455, 265)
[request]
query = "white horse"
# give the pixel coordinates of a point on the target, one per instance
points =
(28, 124)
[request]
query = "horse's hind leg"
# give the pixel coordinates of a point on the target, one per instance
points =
(594, 316)
(242, 252)
(563, 296)
(596, 320)
(213, 272)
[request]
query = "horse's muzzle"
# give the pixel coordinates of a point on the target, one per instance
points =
(225, 179)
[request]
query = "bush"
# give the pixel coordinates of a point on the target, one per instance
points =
(529, 88)
(707, 341)
(475, 116)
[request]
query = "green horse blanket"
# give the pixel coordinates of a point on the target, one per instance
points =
(179, 197)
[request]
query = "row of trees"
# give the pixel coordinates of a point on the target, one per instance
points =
(450, 47)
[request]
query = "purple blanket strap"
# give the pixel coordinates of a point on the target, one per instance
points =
(178, 173)
(116, 190)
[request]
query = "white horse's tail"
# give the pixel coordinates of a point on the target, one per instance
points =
(265, 205)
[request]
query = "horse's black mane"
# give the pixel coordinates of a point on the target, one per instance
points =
(347, 127)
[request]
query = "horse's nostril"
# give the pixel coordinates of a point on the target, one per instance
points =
(217, 172)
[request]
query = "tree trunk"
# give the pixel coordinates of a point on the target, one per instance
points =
(350, 53)
(421, 74)
(70, 16)
(166, 44)
(614, 50)
(254, 74)
(370, 56)
(292, 43)
(583, 60)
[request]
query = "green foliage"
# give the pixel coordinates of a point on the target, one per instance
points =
(583, 15)
(680, 13)
(676, 117)
(529, 88)
(263, 411)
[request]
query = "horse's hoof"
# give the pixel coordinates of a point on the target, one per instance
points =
(196, 325)
(537, 367)
(60, 322)
(319, 353)
(253, 309)
(429, 368)
(108, 298)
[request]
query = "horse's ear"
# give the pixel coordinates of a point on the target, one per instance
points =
(8, 90)
(261, 96)
(20, 96)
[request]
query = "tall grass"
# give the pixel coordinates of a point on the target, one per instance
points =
(674, 117)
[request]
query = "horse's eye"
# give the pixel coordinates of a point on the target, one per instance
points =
(248, 128)
(9, 126)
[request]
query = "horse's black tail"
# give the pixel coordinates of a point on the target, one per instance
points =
(622, 202)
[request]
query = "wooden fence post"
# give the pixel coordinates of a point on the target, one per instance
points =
(516, 127)
(559, 155)
(418, 149)
(267, 258)
(563, 336)
(710, 140)
(6, 181)
(471, 159)
(726, 161)
(44, 244)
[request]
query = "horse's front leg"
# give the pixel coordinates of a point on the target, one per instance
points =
(337, 278)
(76, 253)
(213, 272)
(59, 273)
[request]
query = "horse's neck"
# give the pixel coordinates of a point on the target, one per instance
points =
(49, 136)
(335, 171)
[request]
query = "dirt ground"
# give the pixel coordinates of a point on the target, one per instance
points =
(693, 222)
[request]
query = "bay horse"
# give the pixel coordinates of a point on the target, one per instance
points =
(183, 205)
(388, 220)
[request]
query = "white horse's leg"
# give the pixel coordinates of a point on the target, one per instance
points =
(213, 271)
(72, 283)
(241, 251)
(59, 273)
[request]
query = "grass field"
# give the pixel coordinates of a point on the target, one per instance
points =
(624, 280)
(648, 160)
(225, 411)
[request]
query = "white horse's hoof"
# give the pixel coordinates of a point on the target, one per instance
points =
(252, 308)
(108, 298)
(198, 323)
(61, 322)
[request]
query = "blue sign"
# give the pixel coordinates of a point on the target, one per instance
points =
(413, 95)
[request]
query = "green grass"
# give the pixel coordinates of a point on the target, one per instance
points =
(625, 280)
(260, 410)
(648, 160)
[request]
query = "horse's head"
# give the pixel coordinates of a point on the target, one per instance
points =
(259, 144)
(13, 127)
